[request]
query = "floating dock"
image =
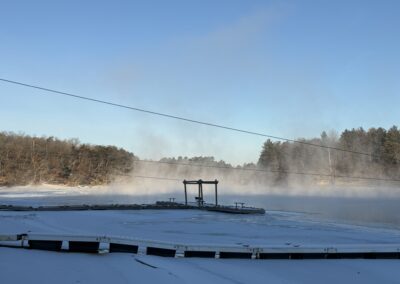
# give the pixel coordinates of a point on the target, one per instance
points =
(236, 210)
(160, 205)
(199, 204)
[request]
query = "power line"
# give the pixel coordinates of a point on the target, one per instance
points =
(153, 177)
(267, 170)
(185, 119)
(226, 167)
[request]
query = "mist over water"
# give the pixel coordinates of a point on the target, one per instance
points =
(374, 203)
(351, 207)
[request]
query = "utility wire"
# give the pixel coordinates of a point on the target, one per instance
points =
(267, 170)
(227, 167)
(185, 119)
(153, 177)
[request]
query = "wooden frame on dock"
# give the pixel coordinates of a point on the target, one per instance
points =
(200, 197)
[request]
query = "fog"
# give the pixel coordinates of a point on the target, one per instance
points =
(239, 181)
(349, 200)
(358, 202)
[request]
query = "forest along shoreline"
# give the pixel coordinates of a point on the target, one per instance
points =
(26, 160)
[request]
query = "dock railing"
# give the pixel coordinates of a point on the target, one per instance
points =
(123, 244)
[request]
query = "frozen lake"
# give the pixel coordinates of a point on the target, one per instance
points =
(289, 221)
(380, 211)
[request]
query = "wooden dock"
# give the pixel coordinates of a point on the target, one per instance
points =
(159, 205)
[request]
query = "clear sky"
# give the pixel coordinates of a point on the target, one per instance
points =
(286, 68)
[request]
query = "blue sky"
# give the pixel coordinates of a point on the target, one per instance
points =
(286, 68)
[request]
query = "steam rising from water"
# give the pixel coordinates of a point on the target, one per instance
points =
(351, 201)
(347, 200)
(240, 182)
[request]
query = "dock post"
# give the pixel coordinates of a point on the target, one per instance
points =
(216, 193)
(202, 196)
(184, 182)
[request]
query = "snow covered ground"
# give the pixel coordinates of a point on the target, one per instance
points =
(184, 226)
(22, 266)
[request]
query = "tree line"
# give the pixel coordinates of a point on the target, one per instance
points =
(26, 160)
(383, 161)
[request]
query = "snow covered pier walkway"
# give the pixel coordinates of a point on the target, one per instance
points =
(112, 244)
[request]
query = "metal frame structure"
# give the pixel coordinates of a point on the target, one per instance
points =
(200, 197)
